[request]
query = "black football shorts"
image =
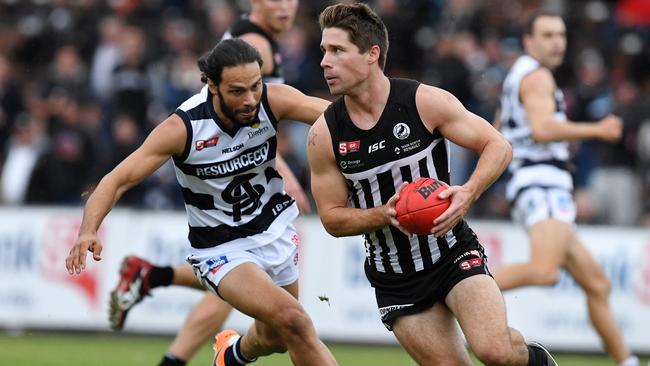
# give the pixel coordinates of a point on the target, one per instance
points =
(402, 294)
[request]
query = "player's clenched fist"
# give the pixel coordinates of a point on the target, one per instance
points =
(611, 128)
(76, 260)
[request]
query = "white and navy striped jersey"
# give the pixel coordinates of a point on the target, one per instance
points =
(233, 194)
(374, 162)
(533, 164)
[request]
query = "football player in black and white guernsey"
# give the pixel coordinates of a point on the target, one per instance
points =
(243, 244)
(379, 134)
(532, 117)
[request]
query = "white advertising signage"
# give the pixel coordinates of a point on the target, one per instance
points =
(37, 292)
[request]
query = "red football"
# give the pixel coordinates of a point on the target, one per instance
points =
(419, 205)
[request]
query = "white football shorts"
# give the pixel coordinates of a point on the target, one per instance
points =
(535, 204)
(279, 259)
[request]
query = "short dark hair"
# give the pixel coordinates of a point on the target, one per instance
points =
(364, 27)
(530, 23)
(227, 53)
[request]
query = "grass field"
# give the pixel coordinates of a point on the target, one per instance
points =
(38, 349)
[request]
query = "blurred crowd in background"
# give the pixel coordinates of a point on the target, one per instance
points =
(82, 82)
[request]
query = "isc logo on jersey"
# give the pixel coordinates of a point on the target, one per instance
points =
(376, 146)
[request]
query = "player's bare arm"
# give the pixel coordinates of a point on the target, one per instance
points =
(291, 185)
(536, 93)
(290, 103)
(330, 191)
(262, 46)
(167, 139)
(441, 111)
(496, 121)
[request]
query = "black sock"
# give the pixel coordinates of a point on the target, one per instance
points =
(237, 350)
(234, 356)
(171, 360)
(161, 276)
(536, 357)
(230, 359)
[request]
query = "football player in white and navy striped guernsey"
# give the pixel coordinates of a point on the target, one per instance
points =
(379, 134)
(533, 119)
(262, 28)
(243, 245)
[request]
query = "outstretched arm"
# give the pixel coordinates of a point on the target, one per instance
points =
(292, 185)
(289, 103)
(536, 93)
(164, 141)
(330, 191)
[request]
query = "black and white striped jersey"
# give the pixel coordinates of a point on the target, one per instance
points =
(233, 194)
(374, 162)
(243, 26)
(533, 164)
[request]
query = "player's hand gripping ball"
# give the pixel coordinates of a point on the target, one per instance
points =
(419, 205)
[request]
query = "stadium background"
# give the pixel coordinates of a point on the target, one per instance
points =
(82, 82)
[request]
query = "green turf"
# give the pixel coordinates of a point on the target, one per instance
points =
(31, 349)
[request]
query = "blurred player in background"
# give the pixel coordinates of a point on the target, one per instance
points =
(380, 134)
(262, 28)
(532, 118)
(243, 245)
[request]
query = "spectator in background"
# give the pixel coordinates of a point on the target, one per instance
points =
(177, 74)
(447, 69)
(106, 57)
(126, 138)
(11, 101)
(221, 15)
(131, 79)
(26, 146)
(64, 172)
(636, 119)
(590, 99)
(617, 167)
(68, 72)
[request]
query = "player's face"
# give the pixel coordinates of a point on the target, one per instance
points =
(240, 93)
(277, 14)
(344, 67)
(547, 43)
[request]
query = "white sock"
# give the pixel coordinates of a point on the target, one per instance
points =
(630, 361)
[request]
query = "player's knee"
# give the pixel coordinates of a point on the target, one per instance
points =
(292, 320)
(546, 276)
(494, 354)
